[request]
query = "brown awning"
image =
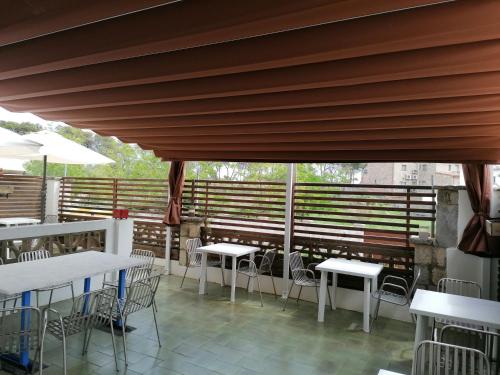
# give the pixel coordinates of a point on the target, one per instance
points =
(286, 80)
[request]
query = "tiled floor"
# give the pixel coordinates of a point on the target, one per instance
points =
(209, 335)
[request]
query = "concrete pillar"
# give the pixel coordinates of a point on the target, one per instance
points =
(190, 228)
(447, 216)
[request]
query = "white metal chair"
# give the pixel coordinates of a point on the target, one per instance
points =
(194, 258)
(458, 287)
(249, 268)
(90, 310)
(14, 338)
(138, 272)
(302, 277)
(32, 256)
(395, 290)
(479, 339)
(436, 358)
(141, 296)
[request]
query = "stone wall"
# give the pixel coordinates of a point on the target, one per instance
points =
(430, 254)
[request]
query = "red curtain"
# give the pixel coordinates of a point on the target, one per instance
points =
(176, 185)
(478, 184)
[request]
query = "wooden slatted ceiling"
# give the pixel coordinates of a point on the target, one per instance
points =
(292, 81)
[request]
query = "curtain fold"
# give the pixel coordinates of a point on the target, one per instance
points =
(176, 185)
(478, 184)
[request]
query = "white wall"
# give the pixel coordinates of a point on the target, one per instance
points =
(52, 198)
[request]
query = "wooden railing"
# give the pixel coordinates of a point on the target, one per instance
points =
(366, 222)
(25, 199)
(95, 198)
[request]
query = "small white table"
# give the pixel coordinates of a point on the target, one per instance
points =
(23, 277)
(427, 304)
(385, 372)
(13, 221)
(368, 271)
(225, 249)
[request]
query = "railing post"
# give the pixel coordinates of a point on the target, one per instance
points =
(289, 219)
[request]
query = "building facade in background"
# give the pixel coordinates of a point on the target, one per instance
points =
(421, 174)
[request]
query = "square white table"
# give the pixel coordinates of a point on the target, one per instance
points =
(368, 271)
(23, 277)
(225, 249)
(427, 304)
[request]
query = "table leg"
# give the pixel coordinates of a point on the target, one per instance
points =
(233, 280)
(421, 330)
(333, 291)
(366, 305)
(223, 267)
(203, 274)
(250, 284)
(24, 357)
(122, 283)
(86, 289)
(322, 296)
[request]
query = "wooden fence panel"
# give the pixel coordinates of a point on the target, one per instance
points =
(25, 199)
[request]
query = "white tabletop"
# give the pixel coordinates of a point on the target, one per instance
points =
(458, 308)
(18, 221)
(45, 273)
(385, 372)
(228, 249)
(350, 267)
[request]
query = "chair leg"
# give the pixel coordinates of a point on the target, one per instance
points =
(50, 297)
(64, 355)
(330, 298)
(260, 292)
(300, 291)
(183, 277)
(124, 338)
(87, 340)
(72, 293)
(317, 294)
(113, 341)
(375, 314)
(222, 274)
(288, 295)
(156, 326)
(37, 299)
(274, 288)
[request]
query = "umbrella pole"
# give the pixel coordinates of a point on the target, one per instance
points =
(44, 190)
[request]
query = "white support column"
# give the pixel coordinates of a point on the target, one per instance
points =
(290, 180)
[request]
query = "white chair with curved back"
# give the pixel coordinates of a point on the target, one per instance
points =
(35, 255)
(194, 258)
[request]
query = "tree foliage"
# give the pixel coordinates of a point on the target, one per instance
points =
(133, 162)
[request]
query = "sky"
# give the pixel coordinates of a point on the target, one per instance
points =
(25, 117)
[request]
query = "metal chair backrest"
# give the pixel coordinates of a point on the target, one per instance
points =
(435, 358)
(194, 257)
(297, 266)
(91, 309)
(14, 337)
(416, 277)
(146, 255)
(142, 271)
(267, 260)
(141, 294)
(29, 256)
(459, 287)
(471, 338)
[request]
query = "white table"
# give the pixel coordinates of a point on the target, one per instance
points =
(225, 249)
(427, 304)
(385, 372)
(24, 277)
(13, 221)
(368, 271)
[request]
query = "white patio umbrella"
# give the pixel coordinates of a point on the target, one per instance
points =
(13, 145)
(54, 148)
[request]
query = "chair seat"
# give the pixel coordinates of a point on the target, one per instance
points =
(390, 297)
(306, 282)
(70, 328)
